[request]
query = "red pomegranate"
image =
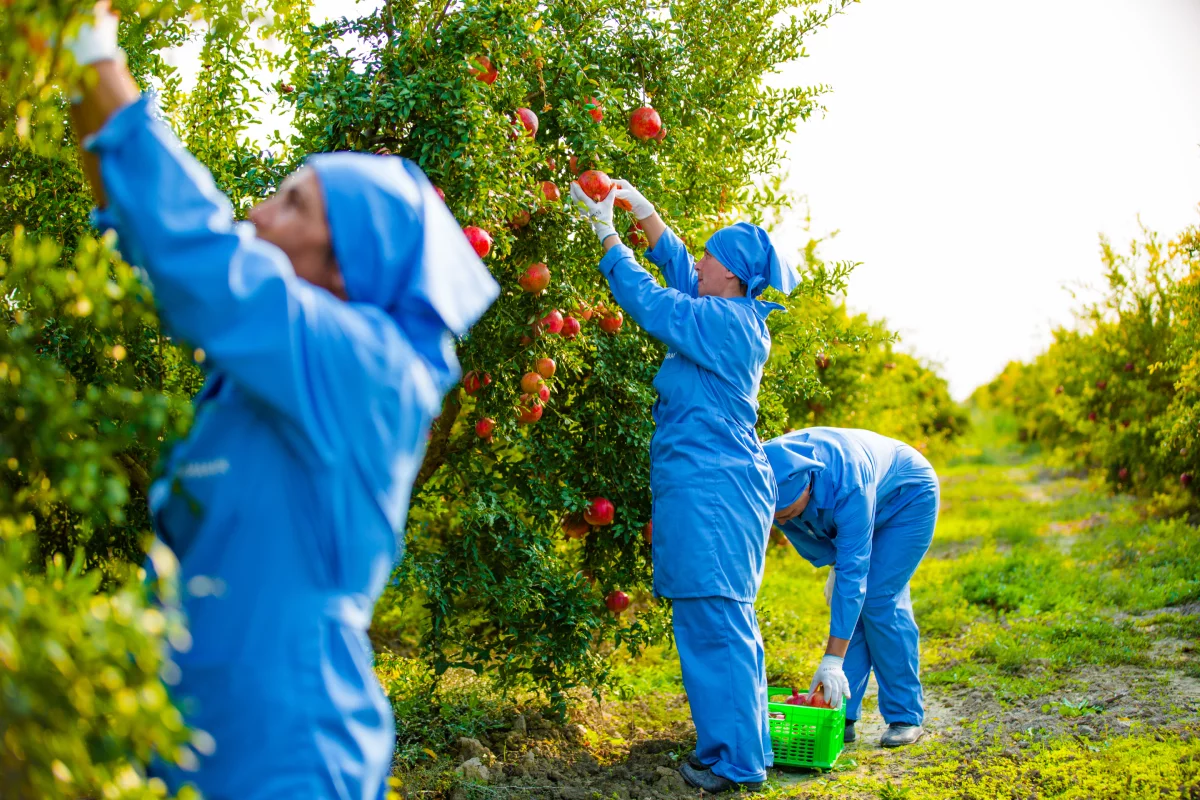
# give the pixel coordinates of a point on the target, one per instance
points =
(645, 123)
(648, 532)
(1102, 385)
(550, 192)
(546, 366)
(528, 120)
(480, 239)
(535, 279)
(485, 427)
(611, 323)
(441, 195)
(617, 601)
(551, 323)
(595, 109)
(531, 382)
(822, 361)
(637, 239)
(529, 410)
(816, 698)
(600, 512)
(473, 381)
(570, 328)
(519, 220)
(574, 527)
(595, 184)
(485, 71)
(544, 394)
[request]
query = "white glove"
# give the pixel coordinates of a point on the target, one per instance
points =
(641, 207)
(831, 678)
(97, 37)
(600, 214)
(829, 587)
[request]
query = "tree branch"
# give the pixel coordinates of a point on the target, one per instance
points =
(439, 443)
(139, 478)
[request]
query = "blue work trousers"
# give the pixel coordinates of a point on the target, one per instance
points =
(725, 676)
(886, 638)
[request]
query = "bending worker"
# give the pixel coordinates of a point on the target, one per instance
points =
(712, 488)
(328, 325)
(865, 506)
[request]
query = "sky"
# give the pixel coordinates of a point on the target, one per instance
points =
(973, 153)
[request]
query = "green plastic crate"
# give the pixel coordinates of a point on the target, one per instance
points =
(805, 737)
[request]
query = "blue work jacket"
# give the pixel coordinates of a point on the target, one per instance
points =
(713, 489)
(864, 475)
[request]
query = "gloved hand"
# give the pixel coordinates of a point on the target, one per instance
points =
(96, 39)
(831, 678)
(640, 206)
(600, 214)
(829, 586)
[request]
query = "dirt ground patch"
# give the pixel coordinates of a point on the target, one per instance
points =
(602, 754)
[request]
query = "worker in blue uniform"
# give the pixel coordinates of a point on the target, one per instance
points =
(866, 506)
(713, 492)
(328, 324)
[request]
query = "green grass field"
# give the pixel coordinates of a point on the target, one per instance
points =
(1059, 633)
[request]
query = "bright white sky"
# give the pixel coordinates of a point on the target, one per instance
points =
(974, 152)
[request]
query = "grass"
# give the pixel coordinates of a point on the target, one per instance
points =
(1035, 581)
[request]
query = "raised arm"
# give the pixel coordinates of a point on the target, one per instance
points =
(221, 289)
(699, 328)
(666, 251)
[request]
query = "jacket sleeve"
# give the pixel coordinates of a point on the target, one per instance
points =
(677, 265)
(236, 297)
(697, 327)
(854, 516)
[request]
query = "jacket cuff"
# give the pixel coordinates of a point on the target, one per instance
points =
(118, 127)
(614, 254)
(664, 248)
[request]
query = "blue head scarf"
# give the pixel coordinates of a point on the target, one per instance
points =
(400, 248)
(794, 462)
(747, 251)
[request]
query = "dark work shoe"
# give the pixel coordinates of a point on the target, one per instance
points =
(899, 734)
(695, 762)
(850, 735)
(712, 783)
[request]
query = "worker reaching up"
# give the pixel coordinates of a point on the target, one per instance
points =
(328, 325)
(713, 492)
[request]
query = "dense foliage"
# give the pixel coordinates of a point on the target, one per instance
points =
(92, 389)
(1120, 391)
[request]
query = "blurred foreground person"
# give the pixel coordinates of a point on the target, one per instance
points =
(865, 506)
(327, 324)
(712, 488)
